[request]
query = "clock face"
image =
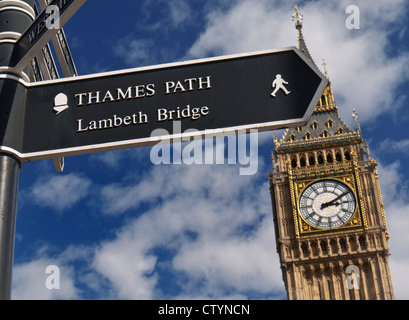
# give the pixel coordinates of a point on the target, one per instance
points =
(327, 204)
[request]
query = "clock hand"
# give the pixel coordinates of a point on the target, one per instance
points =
(332, 202)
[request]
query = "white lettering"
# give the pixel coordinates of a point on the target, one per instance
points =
(94, 96)
(80, 97)
(169, 310)
(109, 96)
(124, 96)
(214, 309)
(204, 82)
(114, 122)
(178, 114)
(188, 85)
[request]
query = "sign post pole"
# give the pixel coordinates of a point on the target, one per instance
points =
(19, 13)
(9, 175)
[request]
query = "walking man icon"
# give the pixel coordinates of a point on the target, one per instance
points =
(278, 84)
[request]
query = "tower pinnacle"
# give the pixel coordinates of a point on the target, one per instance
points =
(298, 19)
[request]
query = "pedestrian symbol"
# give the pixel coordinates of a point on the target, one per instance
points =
(278, 84)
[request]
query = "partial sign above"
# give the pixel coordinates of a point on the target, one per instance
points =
(138, 107)
(42, 30)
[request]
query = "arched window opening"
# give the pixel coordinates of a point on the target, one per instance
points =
(338, 156)
(311, 160)
(320, 159)
(293, 162)
(347, 155)
(362, 242)
(304, 248)
(330, 123)
(343, 244)
(303, 163)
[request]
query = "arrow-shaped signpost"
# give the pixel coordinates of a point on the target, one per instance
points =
(139, 107)
(109, 111)
(42, 30)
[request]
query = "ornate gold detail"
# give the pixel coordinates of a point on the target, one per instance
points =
(294, 204)
(297, 17)
(332, 141)
(360, 193)
(378, 188)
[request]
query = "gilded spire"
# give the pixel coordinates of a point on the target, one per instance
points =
(298, 19)
(325, 126)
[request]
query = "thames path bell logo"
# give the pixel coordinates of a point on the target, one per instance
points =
(278, 84)
(60, 103)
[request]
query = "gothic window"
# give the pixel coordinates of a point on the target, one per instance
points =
(304, 248)
(325, 134)
(307, 136)
(320, 159)
(311, 160)
(362, 242)
(338, 156)
(324, 247)
(314, 125)
(329, 289)
(303, 162)
(343, 244)
(340, 131)
(292, 137)
(293, 162)
(329, 158)
(347, 155)
(329, 123)
(299, 129)
(322, 100)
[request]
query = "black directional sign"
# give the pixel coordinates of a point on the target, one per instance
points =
(261, 90)
(43, 28)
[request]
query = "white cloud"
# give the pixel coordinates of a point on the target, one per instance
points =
(30, 279)
(214, 225)
(363, 75)
(60, 192)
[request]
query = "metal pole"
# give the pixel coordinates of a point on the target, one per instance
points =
(15, 17)
(9, 173)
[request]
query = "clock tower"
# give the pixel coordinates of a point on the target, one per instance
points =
(329, 218)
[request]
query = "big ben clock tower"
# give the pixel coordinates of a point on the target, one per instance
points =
(329, 218)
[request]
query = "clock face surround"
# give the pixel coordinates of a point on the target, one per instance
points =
(327, 204)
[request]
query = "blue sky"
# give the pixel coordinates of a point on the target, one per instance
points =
(120, 227)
